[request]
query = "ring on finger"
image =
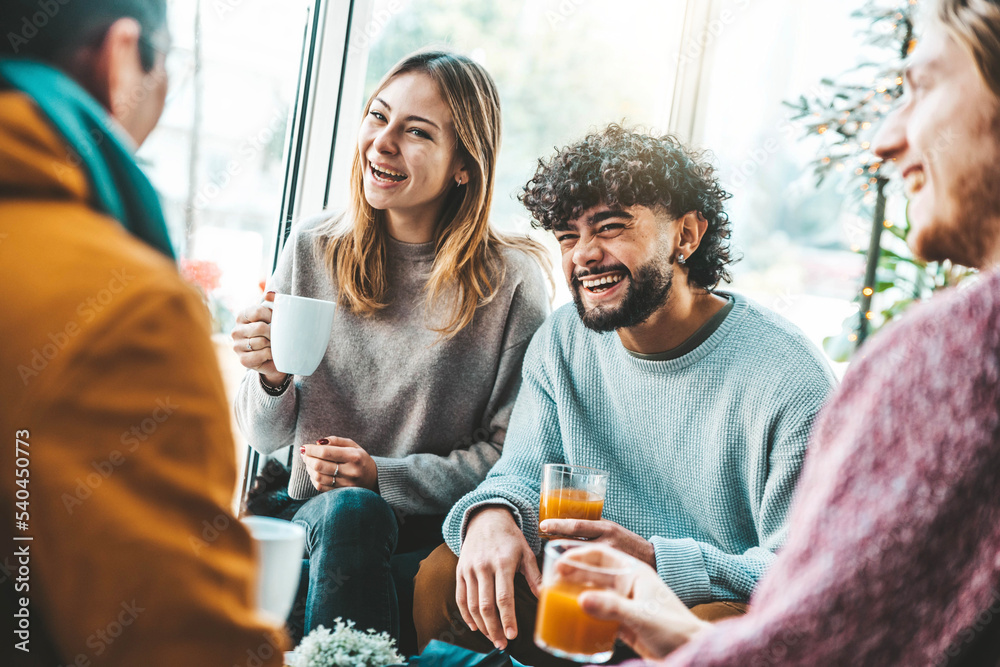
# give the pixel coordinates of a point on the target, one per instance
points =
(336, 471)
(249, 347)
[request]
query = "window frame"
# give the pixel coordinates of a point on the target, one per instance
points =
(307, 163)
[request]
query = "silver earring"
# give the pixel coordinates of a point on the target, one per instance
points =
(459, 183)
(681, 259)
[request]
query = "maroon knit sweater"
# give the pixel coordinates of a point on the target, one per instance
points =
(893, 555)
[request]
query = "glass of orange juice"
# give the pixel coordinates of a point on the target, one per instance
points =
(562, 627)
(571, 492)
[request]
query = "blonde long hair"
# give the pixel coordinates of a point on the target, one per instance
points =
(467, 252)
(975, 24)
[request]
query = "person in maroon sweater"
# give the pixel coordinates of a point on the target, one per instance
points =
(893, 555)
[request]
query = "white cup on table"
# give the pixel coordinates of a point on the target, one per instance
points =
(300, 332)
(280, 547)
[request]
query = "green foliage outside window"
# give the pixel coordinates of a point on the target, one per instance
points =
(843, 121)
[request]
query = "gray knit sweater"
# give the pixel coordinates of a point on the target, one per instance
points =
(703, 451)
(433, 414)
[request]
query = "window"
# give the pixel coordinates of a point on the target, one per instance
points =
(562, 67)
(796, 239)
(715, 73)
(218, 156)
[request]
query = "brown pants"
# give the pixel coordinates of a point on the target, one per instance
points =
(436, 615)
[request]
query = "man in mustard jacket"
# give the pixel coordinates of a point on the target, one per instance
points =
(118, 545)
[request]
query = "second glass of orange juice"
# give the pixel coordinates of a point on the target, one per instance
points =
(571, 492)
(562, 627)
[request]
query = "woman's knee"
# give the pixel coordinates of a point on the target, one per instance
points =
(348, 511)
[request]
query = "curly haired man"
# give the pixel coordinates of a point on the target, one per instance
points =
(893, 554)
(699, 408)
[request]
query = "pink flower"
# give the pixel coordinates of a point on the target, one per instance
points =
(204, 274)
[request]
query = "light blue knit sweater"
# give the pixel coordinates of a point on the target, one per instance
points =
(703, 451)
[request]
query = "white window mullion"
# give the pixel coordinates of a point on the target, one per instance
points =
(331, 80)
(694, 62)
(338, 82)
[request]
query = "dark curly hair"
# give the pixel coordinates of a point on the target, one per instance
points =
(623, 167)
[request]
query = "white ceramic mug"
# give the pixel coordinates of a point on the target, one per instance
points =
(300, 332)
(280, 547)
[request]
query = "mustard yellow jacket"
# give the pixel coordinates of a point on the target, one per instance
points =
(109, 380)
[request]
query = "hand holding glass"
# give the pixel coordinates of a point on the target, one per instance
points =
(572, 492)
(562, 627)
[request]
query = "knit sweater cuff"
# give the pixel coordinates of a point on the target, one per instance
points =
(266, 401)
(300, 487)
(392, 478)
(681, 566)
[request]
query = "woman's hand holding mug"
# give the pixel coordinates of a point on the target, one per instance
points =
(252, 341)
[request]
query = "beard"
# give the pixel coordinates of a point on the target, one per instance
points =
(971, 230)
(648, 290)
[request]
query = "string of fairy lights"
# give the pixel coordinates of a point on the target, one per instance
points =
(846, 112)
(843, 114)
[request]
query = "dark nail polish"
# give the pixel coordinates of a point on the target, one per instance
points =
(324, 441)
(302, 449)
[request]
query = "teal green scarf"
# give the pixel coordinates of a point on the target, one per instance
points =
(119, 187)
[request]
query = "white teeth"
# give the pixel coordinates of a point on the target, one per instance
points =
(607, 280)
(389, 172)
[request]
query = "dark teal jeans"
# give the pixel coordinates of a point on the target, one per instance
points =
(361, 563)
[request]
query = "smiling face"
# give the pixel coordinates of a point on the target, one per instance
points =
(618, 264)
(945, 139)
(409, 150)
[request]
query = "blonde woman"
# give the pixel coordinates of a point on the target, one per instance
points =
(409, 409)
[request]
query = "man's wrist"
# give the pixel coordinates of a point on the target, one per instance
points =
(489, 511)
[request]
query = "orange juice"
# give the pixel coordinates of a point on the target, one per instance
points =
(564, 626)
(570, 504)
